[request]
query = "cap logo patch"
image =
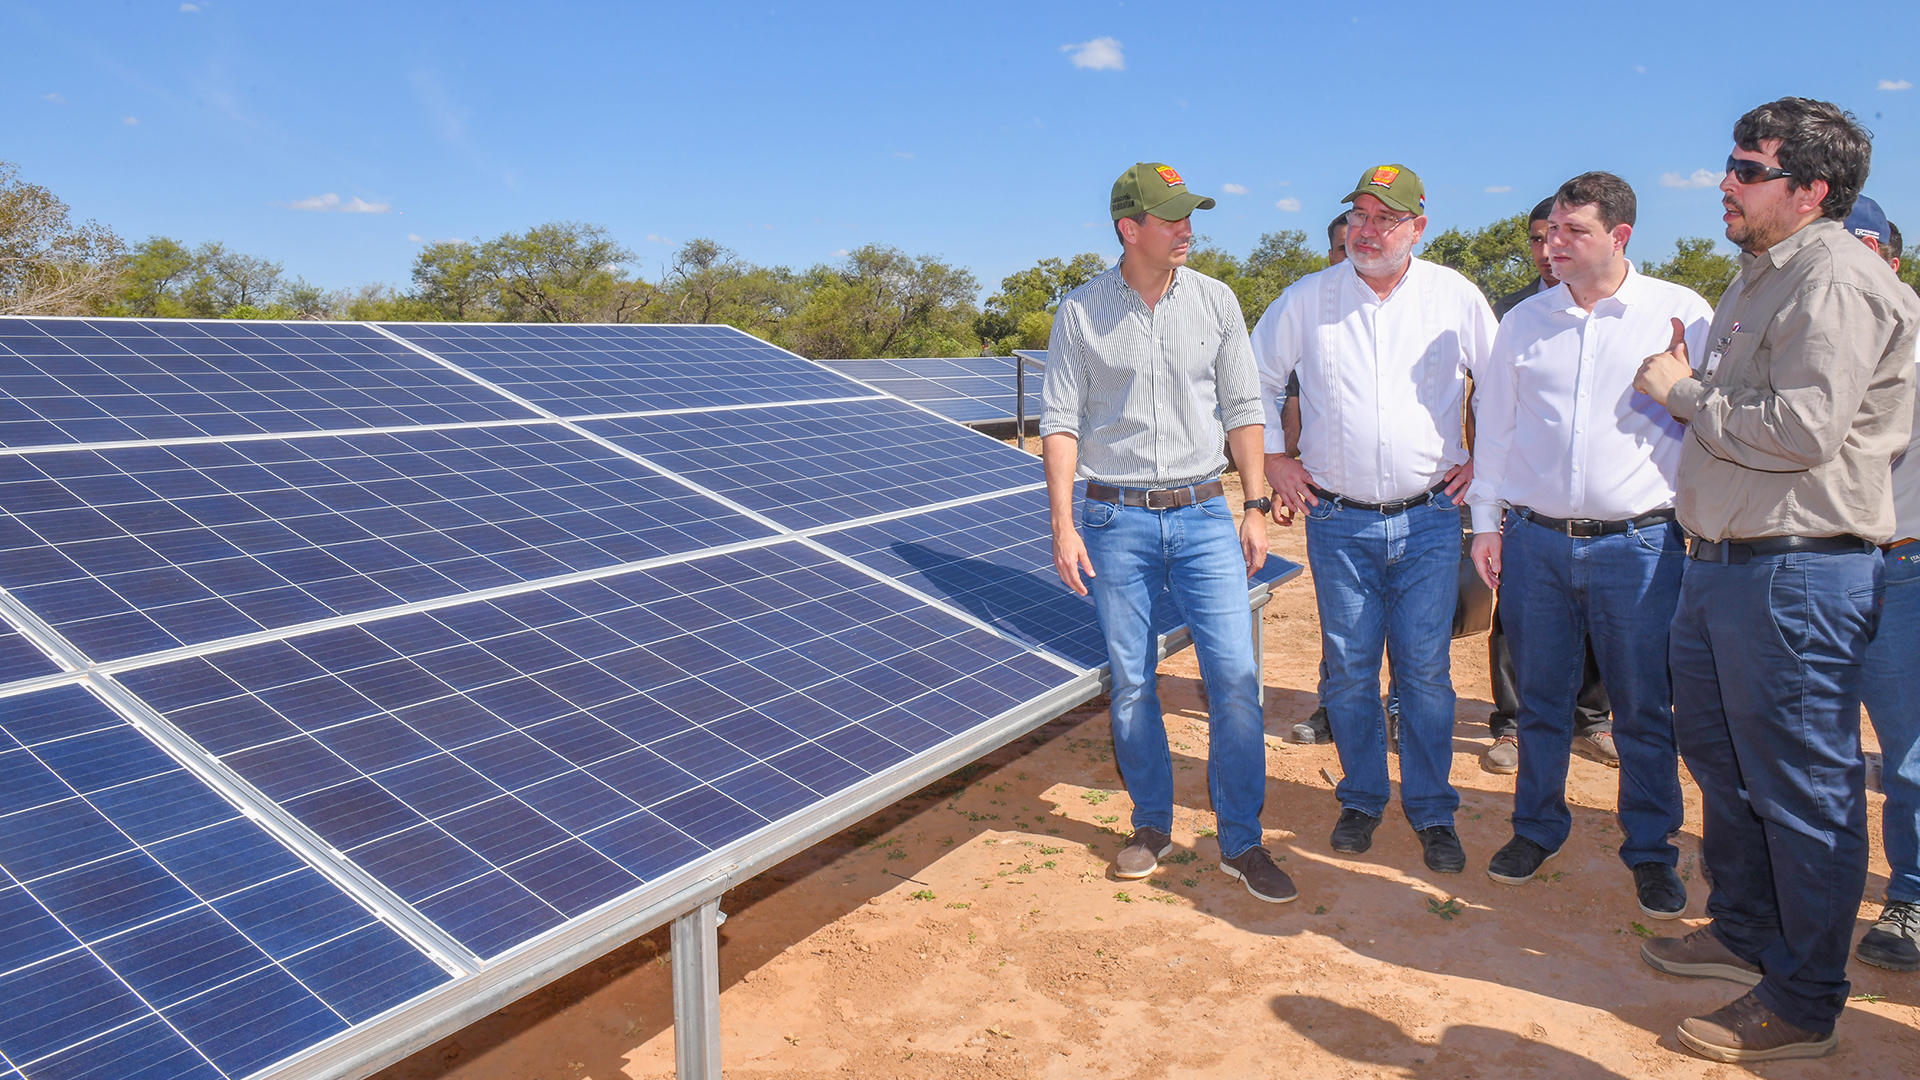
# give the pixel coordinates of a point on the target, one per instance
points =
(1172, 178)
(1384, 176)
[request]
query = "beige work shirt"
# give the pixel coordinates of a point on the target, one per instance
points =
(1794, 430)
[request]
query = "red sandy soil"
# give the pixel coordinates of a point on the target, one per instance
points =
(976, 930)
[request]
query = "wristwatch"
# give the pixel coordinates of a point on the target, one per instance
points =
(1264, 504)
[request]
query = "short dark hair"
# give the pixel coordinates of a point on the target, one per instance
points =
(1818, 141)
(1891, 249)
(1612, 195)
(1138, 219)
(1541, 211)
(1339, 219)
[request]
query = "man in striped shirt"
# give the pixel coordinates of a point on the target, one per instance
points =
(1148, 374)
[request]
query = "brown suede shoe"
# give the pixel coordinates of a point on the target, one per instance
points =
(1142, 854)
(1749, 1031)
(1699, 955)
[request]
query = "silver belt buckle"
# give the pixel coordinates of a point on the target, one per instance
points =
(1156, 495)
(1584, 528)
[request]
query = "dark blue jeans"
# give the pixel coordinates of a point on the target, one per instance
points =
(1766, 658)
(1557, 593)
(1891, 690)
(1194, 551)
(1389, 582)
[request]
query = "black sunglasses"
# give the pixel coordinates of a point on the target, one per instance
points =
(1753, 172)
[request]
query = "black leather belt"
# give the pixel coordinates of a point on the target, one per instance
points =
(1583, 528)
(1155, 498)
(1389, 509)
(1735, 552)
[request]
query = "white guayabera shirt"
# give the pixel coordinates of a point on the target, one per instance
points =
(1559, 427)
(1382, 382)
(1150, 395)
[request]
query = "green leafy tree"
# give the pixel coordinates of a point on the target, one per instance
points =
(155, 272)
(450, 277)
(883, 302)
(1696, 265)
(1277, 261)
(564, 271)
(1020, 315)
(708, 283)
(1910, 269)
(50, 265)
(1495, 257)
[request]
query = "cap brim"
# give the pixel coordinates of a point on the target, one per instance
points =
(1180, 206)
(1385, 198)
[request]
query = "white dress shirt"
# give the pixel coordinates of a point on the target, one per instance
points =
(1381, 381)
(1559, 427)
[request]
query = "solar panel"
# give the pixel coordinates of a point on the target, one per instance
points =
(137, 550)
(152, 929)
(355, 642)
(969, 389)
(111, 380)
(577, 371)
(810, 465)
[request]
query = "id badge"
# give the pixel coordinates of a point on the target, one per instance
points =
(1713, 358)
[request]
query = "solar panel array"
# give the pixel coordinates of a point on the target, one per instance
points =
(974, 390)
(345, 664)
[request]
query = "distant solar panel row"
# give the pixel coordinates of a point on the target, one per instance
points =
(286, 598)
(969, 389)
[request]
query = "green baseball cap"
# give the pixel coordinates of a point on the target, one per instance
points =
(1395, 185)
(1152, 188)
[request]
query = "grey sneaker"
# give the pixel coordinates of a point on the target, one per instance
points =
(1315, 729)
(1504, 755)
(1142, 854)
(1894, 941)
(1598, 746)
(1875, 768)
(1264, 880)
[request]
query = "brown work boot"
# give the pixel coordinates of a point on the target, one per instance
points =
(1749, 1031)
(1699, 955)
(1142, 854)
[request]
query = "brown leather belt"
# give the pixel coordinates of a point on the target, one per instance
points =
(1155, 498)
(1587, 528)
(1902, 542)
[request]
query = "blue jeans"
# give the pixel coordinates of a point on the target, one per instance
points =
(1557, 592)
(1891, 690)
(1389, 583)
(1194, 551)
(1766, 659)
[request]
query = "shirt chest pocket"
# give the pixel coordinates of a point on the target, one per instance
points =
(1734, 364)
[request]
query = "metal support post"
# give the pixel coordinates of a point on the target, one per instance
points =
(1020, 399)
(696, 992)
(1259, 650)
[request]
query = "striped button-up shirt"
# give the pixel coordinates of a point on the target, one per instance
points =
(1150, 393)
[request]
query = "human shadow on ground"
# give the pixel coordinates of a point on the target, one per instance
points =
(1460, 1051)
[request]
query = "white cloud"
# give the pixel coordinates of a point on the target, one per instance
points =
(53, 99)
(1290, 205)
(907, 154)
(189, 7)
(130, 121)
(655, 238)
(1895, 84)
(1500, 189)
(841, 251)
(330, 203)
(1640, 69)
(416, 238)
(1100, 54)
(1233, 189)
(1701, 178)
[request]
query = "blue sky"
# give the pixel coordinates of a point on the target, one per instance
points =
(334, 138)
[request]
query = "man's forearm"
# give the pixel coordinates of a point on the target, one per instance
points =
(1061, 454)
(1248, 446)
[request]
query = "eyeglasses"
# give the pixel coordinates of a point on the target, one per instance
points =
(1753, 172)
(1381, 223)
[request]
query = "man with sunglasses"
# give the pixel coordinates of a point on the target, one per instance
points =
(1382, 342)
(1802, 402)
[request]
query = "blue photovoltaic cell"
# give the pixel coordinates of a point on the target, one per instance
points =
(505, 766)
(68, 381)
(148, 929)
(807, 465)
(994, 560)
(136, 550)
(577, 371)
(21, 659)
(969, 389)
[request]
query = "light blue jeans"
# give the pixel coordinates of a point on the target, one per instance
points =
(1194, 551)
(1891, 690)
(1389, 582)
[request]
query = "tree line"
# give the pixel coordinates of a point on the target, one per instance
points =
(876, 301)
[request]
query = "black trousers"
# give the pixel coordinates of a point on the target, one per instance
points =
(1592, 711)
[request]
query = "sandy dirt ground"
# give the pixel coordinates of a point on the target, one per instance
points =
(976, 930)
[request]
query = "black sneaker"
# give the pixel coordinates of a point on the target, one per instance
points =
(1516, 863)
(1393, 731)
(1264, 880)
(1894, 941)
(1661, 894)
(1315, 729)
(1441, 845)
(1354, 833)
